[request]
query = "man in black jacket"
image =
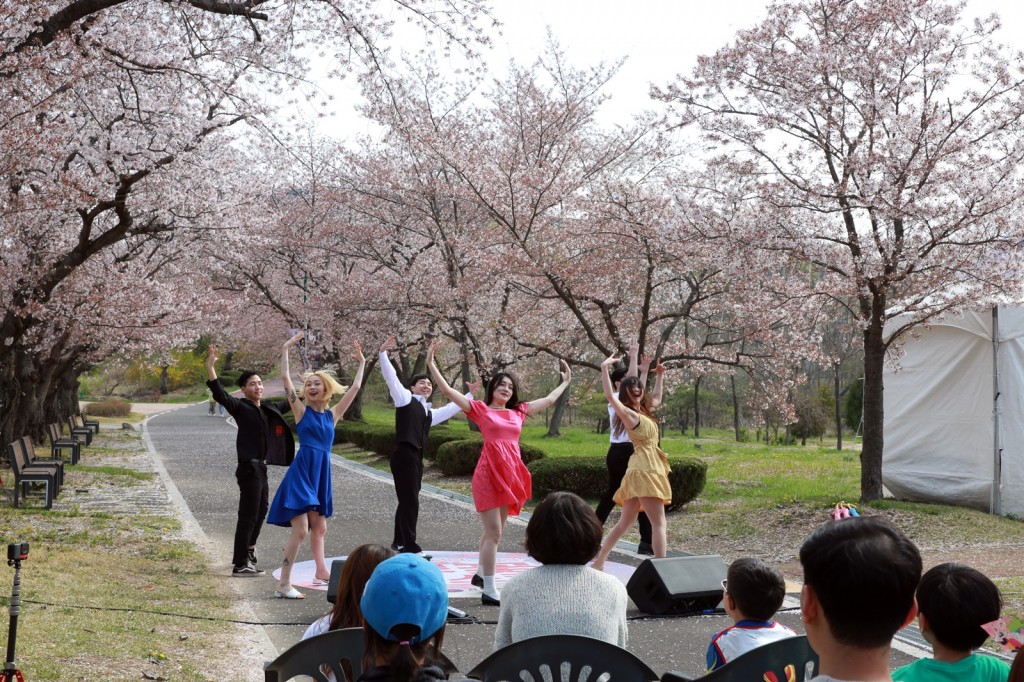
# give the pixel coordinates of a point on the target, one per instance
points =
(262, 434)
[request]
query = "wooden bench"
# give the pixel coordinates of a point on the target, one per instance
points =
(90, 424)
(82, 433)
(58, 443)
(48, 472)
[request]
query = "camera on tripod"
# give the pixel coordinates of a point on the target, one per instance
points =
(17, 551)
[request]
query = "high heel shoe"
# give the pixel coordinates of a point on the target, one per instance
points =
(476, 581)
(488, 600)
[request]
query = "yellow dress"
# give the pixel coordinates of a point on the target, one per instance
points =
(647, 473)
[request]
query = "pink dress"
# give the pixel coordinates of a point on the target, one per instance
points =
(500, 478)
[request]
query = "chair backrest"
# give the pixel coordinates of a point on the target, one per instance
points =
(16, 455)
(315, 656)
(791, 659)
(53, 431)
(562, 657)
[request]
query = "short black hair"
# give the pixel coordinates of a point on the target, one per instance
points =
(757, 588)
(563, 530)
(957, 600)
(617, 374)
(864, 572)
(244, 377)
(415, 378)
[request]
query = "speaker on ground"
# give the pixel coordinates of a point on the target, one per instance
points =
(335, 580)
(688, 584)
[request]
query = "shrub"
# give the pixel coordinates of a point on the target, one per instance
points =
(687, 478)
(459, 457)
(438, 437)
(584, 475)
(588, 477)
(109, 408)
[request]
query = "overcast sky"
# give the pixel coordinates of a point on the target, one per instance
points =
(659, 38)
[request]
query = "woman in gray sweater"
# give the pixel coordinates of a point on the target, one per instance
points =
(564, 596)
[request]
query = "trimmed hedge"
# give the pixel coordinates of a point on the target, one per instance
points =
(588, 477)
(459, 457)
(108, 408)
(438, 437)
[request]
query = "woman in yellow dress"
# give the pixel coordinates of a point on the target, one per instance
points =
(645, 484)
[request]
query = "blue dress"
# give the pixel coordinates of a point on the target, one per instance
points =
(306, 485)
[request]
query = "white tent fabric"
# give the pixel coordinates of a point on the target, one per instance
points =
(943, 419)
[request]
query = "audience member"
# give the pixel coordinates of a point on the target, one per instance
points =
(953, 602)
(752, 592)
(564, 595)
(859, 580)
(1017, 669)
(405, 605)
(358, 567)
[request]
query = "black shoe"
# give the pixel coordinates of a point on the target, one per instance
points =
(408, 549)
(488, 600)
(477, 581)
(247, 571)
(645, 548)
(252, 555)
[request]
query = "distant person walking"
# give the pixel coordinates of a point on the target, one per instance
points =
(414, 415)
(305, 499)
(501, 482)
(261, 429)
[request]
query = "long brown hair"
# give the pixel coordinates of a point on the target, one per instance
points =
(626, 398)
(357, 569)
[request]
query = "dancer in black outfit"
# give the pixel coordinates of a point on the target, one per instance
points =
(262, 432)
(414, 416)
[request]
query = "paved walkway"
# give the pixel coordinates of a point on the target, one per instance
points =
(194, 455)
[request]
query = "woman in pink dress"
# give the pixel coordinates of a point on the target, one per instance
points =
(501, 482)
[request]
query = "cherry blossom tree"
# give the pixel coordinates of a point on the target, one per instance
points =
(880, 142)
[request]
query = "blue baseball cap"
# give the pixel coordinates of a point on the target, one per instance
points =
(405, 590)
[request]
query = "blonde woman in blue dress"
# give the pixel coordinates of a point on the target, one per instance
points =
(645, 484)
(305, 497)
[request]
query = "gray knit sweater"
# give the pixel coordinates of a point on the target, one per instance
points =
(562, 599)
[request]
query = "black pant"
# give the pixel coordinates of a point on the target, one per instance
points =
(407, 470)
(253, 502)
(618, 461)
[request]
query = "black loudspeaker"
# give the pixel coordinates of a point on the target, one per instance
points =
(688, 584)
(335, 580)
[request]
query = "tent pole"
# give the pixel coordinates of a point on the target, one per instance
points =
(995, 505)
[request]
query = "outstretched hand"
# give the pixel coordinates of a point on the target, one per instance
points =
(659, 368)
(645, 363)
(290, 343)
(474, 386)
(634, 348)
(431, 349)
(389, 343)
(566, 372)
(608, 361)
(359, 353)
(211, 355)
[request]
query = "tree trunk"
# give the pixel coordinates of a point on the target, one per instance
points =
(557, 411)
(839, 408)
(874, 411)
(164, 387)
(696, 408)
(735, 408)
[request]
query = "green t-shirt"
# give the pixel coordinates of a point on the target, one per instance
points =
(974, 668)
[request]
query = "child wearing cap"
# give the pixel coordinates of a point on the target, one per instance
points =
(405, 605)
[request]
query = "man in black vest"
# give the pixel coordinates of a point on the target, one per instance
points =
(413, 419)
(262, 434)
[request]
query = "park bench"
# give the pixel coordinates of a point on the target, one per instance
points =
(58, 443)
(90, 424)
(82, 433)
(50, 473)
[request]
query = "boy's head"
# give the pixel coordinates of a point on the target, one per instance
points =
(755, 588)
(955, 601)
(860, 573)
(617, 375)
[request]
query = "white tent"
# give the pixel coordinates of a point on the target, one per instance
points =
(954, 418)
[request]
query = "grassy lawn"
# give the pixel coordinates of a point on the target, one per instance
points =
(114, 596)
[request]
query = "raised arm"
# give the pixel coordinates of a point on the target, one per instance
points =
(634, 351)
(353, 390)
(298, 407)
(439, 380)
(628, 417)
(400, 395)
(644, 368)
(659, 383)
(535, 406)
(211, 360)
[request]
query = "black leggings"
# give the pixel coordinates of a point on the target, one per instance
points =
(618, 462)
